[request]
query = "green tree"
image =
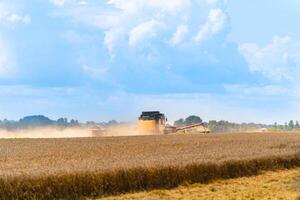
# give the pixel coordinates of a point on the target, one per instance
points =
(291, 125)
(297, 125)
(285, 125)
(179, 122)
(193, 119)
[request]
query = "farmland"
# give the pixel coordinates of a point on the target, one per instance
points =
(278, 184)
(92, 167)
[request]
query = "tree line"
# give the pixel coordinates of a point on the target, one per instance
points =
(226, 126)
(213, 125)
(287, 126)
(37, 121)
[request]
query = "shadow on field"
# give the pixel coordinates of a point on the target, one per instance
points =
(78, 186)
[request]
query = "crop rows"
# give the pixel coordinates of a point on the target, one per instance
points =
(93, 167)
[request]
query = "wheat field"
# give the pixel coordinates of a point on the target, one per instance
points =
(94, 167)
(278, 184)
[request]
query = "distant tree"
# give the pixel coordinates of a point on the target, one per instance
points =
(297, 125)
(74, 122)
(212, 125)
(285, 125)
(193, 119)
(179, 122)
(62, 122)
(291, 124)
(112, 123)
(34, 121)
(91, 123)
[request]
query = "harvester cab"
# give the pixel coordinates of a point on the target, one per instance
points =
(152, 122)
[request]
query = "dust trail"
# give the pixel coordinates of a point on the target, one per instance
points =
(123, 130)
(75, 132)
(46, 132)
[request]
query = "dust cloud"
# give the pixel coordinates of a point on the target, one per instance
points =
(47, 132)
(76, 132)
(123, 130)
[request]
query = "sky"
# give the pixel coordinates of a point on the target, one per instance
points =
(111, 59)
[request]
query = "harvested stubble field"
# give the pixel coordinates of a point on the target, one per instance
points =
(93, 167)
(278, 184)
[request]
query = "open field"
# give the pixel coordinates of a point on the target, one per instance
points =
(279, 184)
(92, 167)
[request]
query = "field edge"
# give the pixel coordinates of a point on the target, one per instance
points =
(97, 184)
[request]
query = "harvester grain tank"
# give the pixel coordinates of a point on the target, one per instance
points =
(152, 122)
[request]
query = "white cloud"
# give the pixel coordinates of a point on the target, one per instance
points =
(62, 3)
(166, 6)
(260, 90)
(279, 60)
(143, 31)
(95, 72)
(212, 2)
(14, 18)
(110, 39)
(140, 20)
(5, 60)
(131, 22)
(8, 15)
(179, 35)
(126, 24)
(58, 2)
(82, 3)
(214, 24)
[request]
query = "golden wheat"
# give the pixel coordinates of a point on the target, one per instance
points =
(92, 167)
(278, 184)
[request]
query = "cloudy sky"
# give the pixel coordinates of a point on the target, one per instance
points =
(111, 59)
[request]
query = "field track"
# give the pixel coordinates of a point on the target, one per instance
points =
(93, 167)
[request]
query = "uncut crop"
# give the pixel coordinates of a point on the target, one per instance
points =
(93, 167)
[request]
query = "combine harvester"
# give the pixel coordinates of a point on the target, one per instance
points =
(154, 122)
(150, 123)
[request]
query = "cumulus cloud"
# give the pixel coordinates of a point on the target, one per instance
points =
(58, 2)
(142, 31)
(222, 2)
(8, 15)
(62, 3)
(179, 35)
(214, 24)
(166, 7)
(137, 22)
(279, 60)
(14, 18)
(110, 40)
(140, 20)
(5, 60)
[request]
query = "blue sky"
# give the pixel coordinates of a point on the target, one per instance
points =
(111, 59)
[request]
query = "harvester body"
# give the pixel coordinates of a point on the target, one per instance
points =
(152, 122)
